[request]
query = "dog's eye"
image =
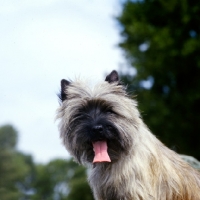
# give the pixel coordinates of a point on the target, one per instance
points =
(109, 111)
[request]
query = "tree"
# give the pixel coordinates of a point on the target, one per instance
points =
(16, 169)
(79, 188)
(61, 180)
(161, 40)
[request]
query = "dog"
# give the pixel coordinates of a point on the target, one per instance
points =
(102, 129)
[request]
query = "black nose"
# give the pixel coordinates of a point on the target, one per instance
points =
(97, 128)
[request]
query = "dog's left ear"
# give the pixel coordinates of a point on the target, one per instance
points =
(112, 77)
(64, 84)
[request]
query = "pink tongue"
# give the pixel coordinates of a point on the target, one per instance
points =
(101, 154)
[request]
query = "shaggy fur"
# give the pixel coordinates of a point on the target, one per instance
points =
(142, 168)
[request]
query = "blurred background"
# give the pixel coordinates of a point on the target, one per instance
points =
(154, 45)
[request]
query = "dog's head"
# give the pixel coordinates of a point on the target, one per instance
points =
(103, 113)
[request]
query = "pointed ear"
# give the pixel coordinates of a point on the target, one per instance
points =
(112, 77)
(64, 85)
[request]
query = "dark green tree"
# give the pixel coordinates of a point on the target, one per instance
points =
(79, 188)
(16, 169)
(161, 40)
(61, 180)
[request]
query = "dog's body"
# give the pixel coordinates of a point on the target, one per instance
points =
(141, 167)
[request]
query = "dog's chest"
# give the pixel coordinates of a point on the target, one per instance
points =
(108, 186)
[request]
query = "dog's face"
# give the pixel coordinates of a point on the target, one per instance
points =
(88, 116)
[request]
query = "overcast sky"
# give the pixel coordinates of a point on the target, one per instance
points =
(41, 42)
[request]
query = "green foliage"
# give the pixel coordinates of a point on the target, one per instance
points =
(16, 169)
(61, 180)
(79, 188)
(8, 137)
(161, 39)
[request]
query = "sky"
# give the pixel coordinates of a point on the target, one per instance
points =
(42, 42)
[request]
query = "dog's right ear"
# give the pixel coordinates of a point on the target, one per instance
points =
(64, 84)
(112, 77)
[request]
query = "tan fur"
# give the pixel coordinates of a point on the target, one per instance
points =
(150, 171)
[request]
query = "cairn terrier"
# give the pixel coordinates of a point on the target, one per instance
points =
(101, 128)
